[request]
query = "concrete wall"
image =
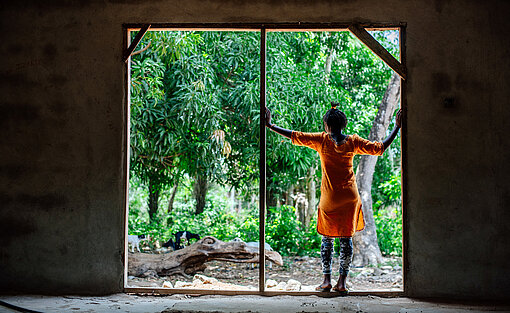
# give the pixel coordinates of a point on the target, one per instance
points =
(63, 147)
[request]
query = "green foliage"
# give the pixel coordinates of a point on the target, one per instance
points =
(389, 230)
(287, 235)
(300, 90)
(391, 190)
(284, 232)
(194, 107)
(388, 217)
(195, 113)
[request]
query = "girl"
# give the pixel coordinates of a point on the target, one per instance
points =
(339, 211)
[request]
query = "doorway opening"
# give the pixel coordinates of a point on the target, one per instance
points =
(199, 91)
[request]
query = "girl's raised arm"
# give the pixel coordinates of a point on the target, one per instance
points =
(387, 142)
(282, 131)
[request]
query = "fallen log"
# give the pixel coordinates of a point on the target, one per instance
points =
(191, 259)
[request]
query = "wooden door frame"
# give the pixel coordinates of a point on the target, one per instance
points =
(359, 30)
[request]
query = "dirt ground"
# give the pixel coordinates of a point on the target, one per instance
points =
(307, 270)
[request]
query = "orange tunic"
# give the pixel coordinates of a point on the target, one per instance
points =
(339, 212)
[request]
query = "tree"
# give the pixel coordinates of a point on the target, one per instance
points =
(306, 71)
(151, 160)
(171, 104)
(366, 248)
(195, 109)
(297, 95)
(235, 61)
(191, 91)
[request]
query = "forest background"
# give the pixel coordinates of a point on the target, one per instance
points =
(194, 134)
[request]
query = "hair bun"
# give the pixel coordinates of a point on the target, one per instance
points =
(334, 104)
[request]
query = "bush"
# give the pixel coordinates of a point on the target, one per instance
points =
(284, 232)
(388, 216)
(287, 235)
(389, 230)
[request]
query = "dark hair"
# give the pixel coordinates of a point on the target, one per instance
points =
(336, 120)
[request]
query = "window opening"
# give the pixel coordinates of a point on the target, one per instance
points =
(193, 208)
(306, 71)
(290, 200)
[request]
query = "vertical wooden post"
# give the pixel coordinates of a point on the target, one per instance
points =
(403, 155)
(262, 163)
(127, 107)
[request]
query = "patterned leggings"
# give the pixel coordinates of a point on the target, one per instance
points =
(345, 254)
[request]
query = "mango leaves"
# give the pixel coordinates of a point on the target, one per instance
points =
(195, 102)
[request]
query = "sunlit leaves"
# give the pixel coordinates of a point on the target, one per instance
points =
(187, 87)
(300, 92)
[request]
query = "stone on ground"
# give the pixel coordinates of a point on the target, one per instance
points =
(293, 285)
(204, 279)
(167, 284)
(205, 282)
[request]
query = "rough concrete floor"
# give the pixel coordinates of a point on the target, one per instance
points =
(245, 304)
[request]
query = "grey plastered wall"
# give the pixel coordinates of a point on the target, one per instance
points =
(62, 116)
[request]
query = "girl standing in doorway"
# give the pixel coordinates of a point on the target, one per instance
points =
(339, 211)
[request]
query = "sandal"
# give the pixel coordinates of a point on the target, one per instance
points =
(326, 289)
(341, 292)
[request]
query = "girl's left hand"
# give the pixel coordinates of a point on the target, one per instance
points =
(398, 119)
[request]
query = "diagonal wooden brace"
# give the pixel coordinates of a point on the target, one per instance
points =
(378, 49)
(136, 41)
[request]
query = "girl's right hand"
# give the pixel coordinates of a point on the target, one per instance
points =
(268, 118)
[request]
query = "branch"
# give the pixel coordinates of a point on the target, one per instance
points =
(141, 156)
(142, 50)
(225, 80)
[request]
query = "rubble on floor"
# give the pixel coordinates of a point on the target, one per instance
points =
(229, 304)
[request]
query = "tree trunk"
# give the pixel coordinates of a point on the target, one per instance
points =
(290, 193)
(329, 61)
(200, 191)
(240, 203)
(153, 200)
(192, 258)
(233, 198)
(170, 207)
(172, 197)
(366, 248)
(301, 207)
(310, 195)
(270, 198)
(253, 202)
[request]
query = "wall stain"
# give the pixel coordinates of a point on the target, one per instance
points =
(439, 5)
(58, 107)
(46, 202)
(71, 49)
(50, 51)
(14, 171)
(15, 79)
(12, 227)
(441, 83)
(63, 250)
(15, 48)
(57, 79)
(18, 113)
(5, 200)
(463, 82)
